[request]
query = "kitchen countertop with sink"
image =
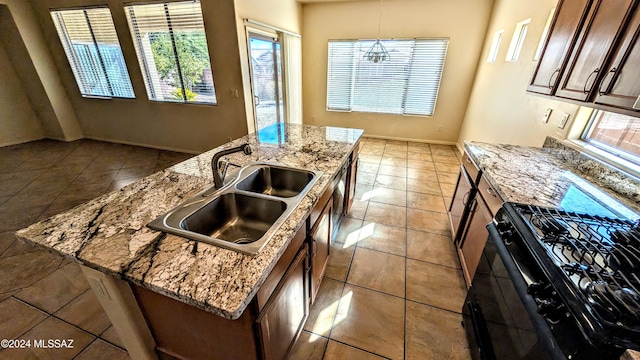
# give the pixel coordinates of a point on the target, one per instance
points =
(109, 233)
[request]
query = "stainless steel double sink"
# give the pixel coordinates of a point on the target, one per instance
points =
(244, 214)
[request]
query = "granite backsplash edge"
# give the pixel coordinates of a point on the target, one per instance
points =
(604, 174)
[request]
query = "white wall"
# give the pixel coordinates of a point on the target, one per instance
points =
(463, 21)
(18, 121)
(500, 110)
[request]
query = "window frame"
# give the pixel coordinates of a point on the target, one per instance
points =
(517, 40)
(59, 24)
(495, 46)
(354, 76)
(610, 150)
(141, 56)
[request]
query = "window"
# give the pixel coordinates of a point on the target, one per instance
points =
(495, 46)
(615, 133)
(172, 50)
(407, 83)
(517, 40)
(92, 48)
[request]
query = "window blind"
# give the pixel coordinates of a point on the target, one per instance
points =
(407, 83)
(91, 44)
(172, 51)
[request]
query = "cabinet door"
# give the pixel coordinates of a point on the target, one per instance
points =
(475, 237)
(458, 209)
(281, 321)
(351, 183)
(568, 19)
(320, 244)
(620, 86)
(598, 35)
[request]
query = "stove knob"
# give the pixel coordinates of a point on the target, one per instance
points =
(546, 307)
(537, 288)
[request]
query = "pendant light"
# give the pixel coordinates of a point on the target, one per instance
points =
(377, 53)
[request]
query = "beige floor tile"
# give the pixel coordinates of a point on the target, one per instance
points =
(383, 238)
(349, 231)
(419, 148)
(424, 186)
(429, 221)
(370, 321)
(392, 170)
(366, 178)
(423, 165)
(421, 174)
(111, 335)
(22, 270)
(447, 167)
(378, 271)
(86, 313)
(17, 318)
(402, 154)
(446, 159)
(51, 328)
(100, 350)
(309, 347)
(358, 209)
(425, 202)
(387, 196)
(391, 182)
(56, 290)
(443, 150)
(323, 310)
(433, 248)
(363, 192)
(339, 261)
(386, 214)
(396, 145)
(374, 159)
(447, 190)
(367, 167)
(434, 334)
(448, 177)
(338, 351)
(393, 161)
(372, 150)
(419, 156)
(435, 285)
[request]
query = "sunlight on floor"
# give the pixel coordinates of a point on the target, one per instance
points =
(358, 235)
(323, 323)
(371, 194)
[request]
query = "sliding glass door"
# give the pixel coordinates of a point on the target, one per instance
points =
(266, 80)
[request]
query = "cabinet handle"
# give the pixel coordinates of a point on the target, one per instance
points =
(584, 89)
(551, 83)
(314, 248)
(611, 72)
(465, 198)
(491, 192)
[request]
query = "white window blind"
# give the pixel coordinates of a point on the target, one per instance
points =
(172, 50)
(407, 83)
(91, 44)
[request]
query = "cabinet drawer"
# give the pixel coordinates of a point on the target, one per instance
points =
(472, 169)
(490, 196)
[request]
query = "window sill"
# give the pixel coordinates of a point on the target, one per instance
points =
(606, 157)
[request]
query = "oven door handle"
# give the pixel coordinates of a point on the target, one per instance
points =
(539, 323)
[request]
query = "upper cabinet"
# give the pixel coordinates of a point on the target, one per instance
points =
(591, 53)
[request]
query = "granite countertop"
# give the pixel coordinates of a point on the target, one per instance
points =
(109, 233)
(544, 176)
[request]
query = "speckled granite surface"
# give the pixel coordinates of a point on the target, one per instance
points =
(109, 233)
(543, 176)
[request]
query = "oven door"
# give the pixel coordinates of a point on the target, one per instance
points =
(497, 321)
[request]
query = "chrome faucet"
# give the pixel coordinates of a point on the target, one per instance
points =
(217, 177)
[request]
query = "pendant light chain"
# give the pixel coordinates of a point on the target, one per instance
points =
(377, 53)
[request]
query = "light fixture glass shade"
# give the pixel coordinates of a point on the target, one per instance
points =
(377, 53)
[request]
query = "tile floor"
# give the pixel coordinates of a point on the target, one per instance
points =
(393, 288)
(43, 296)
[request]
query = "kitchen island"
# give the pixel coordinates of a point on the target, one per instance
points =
(123, 258)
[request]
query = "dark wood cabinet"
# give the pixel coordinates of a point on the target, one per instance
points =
(458, 210)
(604, 22)
(319, 247)
(591, 55)
(568, 18)
(620, 87)
(474, 238)
(351, 185)
(282, 319)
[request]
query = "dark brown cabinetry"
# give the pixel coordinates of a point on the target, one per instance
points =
(587, 54)
(474, 237)
(352, 176)
(319, 247)
(459, 204)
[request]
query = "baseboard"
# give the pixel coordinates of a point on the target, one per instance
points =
(18, 142)
(144, 145)
(437, 142)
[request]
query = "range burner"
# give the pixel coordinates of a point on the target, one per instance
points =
(598, 259)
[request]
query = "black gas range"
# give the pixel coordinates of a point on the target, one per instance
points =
(555, 285)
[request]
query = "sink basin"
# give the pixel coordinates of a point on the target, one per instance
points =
(276, 181)
(236, 218)
(244, 214)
